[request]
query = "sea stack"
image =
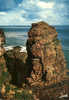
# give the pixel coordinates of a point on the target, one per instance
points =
(45, 55)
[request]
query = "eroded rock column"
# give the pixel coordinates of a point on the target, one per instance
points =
(45, 55)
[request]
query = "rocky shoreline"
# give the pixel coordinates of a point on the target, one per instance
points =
(38, 73)
(45, 54)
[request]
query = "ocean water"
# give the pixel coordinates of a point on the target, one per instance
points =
(17, 36)
(63, 35)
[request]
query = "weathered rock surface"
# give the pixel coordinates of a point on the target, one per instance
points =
(3, 67)
(43, 66)
(45, 55)
(59, 91)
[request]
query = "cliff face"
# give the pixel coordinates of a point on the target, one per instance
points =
(45, 55)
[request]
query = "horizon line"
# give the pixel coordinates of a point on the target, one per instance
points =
(26, 25)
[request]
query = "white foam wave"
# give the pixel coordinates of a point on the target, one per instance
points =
(23, 48)
(8, 48)
(64, 96)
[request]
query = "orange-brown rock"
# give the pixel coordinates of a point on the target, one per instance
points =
(2, 37)
(45, 54)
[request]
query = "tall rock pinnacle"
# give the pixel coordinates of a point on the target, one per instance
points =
(45, 55)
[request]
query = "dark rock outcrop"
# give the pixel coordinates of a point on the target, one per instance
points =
(45, 55)
(57, 91)
(16, 64)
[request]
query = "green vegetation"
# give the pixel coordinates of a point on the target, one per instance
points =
(7, 89)
(17, 93)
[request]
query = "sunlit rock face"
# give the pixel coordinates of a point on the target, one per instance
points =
(2, 41)
(45, 55)
(8, 4)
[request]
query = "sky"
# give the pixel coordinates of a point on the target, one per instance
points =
(25, 12)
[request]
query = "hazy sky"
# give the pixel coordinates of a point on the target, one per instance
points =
(24, 12)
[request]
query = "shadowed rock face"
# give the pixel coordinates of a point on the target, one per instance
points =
(16, 64)
(45, 55)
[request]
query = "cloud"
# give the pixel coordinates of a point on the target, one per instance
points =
(3, 13)
(29, 11)
(44, 5)
(12, 18)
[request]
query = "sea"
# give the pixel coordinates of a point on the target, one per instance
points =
(17, 36)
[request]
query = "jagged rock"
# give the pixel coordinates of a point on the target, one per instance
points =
(4, 75)
(55, 92)
(44, 48)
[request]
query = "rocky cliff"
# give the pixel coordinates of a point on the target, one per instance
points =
(45, 55)
(43, 67)
(44, 62)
